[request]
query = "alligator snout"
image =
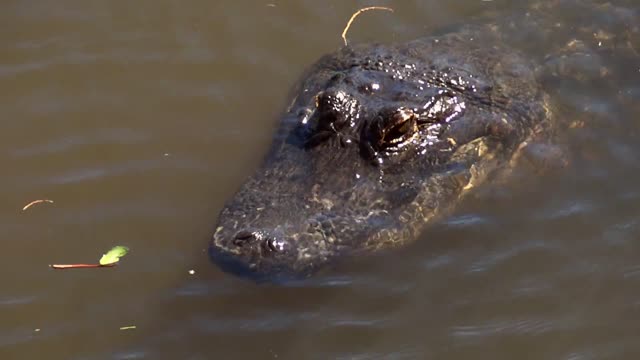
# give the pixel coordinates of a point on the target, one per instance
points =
(250, 251)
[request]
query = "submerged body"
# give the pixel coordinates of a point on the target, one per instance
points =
(378, 140)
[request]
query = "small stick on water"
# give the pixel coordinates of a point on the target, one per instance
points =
(353, 17)
(36, 202)
(110, 259)
(78, 266)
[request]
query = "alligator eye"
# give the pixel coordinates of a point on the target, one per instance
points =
(401, 126)
(392, 128)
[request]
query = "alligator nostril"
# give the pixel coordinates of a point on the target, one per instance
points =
(243, 237)
(271, 245)
(274, 245)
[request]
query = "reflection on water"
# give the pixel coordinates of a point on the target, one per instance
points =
(140, 118)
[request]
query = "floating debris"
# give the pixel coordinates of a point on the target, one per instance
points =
(353, 17)
(78, 266)
(130, 327)
(114, 255)
(34, 202)
(110, 259)
(191, 272)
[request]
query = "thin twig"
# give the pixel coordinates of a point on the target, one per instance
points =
(78, 266)
(36, 202)
(353, 17)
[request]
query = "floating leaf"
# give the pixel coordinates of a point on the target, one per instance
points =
(114, 255)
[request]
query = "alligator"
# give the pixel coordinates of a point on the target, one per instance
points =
(381, 139)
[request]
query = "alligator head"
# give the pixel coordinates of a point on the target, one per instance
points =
(376, 142)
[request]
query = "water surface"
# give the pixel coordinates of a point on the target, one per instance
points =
(140, 118)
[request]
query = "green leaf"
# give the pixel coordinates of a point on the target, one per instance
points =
(114, 255)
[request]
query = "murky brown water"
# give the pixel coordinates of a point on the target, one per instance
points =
(139, 118)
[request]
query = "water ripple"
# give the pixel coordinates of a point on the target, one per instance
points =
(21, 300)
(466, 220)
(499, 257)
(632, 272)
(111, 136)
(572, 208)
(509, 327)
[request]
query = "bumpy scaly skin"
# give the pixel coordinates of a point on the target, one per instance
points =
(379, 140)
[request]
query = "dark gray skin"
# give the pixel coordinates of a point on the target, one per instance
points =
(378, 141)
